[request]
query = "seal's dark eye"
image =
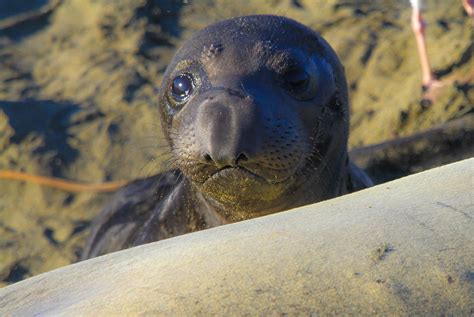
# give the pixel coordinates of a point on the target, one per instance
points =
(296, 80)
(299, 84)
(182, 87)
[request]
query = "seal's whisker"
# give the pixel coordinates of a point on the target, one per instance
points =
(150, 147)
(156, 137)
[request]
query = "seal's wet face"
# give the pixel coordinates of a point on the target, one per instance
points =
(255, 113)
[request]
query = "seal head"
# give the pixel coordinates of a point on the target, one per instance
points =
(256, 112)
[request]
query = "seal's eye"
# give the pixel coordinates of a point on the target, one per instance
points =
(182, 87)
(299, 84)
(296, 81)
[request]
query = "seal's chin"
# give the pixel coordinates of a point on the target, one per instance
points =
(240, 186)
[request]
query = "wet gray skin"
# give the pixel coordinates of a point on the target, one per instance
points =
(256, 113)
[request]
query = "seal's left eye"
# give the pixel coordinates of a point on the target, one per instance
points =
(182, 87)
(296, 81)
(299, 84)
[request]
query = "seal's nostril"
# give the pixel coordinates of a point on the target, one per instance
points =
(208, 158)
(241, 158)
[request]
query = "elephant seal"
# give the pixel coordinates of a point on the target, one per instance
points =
(256, 113)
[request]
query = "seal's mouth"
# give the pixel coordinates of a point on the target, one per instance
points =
(230, 173)
(242, 188)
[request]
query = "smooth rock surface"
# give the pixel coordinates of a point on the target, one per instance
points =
(401, 248)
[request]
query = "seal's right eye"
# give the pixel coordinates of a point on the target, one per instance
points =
(182, 87)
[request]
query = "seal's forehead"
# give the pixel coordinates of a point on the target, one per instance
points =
(250, 36)
(267, 28)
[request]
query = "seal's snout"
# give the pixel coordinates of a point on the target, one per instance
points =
(227, 126)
